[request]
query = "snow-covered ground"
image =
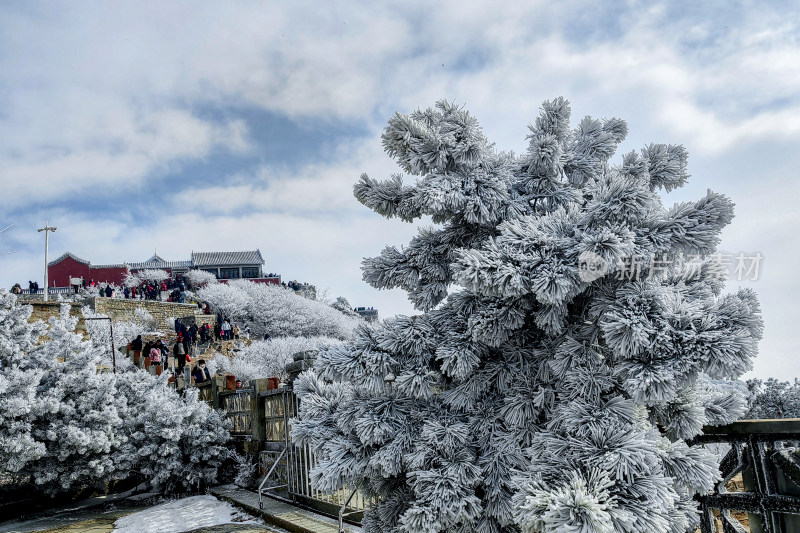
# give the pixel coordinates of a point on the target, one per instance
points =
(183, 515)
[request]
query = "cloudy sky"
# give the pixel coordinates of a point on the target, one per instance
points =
(181, 126)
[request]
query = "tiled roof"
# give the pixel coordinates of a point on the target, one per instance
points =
(150, 264)
(201, 259)
(64, 256)
(156, 262)
(108, 266)
(155, 259)
(198, 260)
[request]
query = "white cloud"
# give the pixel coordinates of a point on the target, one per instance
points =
(113, 96)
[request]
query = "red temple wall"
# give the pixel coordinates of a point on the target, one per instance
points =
(58, 275)
(113, 275)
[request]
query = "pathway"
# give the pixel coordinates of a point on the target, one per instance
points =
(281, 514)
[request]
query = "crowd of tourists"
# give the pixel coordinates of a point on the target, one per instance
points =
(157, 355)
(149, 290)
(222, 330)
(33, 288)
(187, 340)
(295, 285)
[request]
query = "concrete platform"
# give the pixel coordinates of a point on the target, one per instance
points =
(280, 514)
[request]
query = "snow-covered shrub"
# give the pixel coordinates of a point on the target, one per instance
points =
(20, 373)
(67, 426)
(277, 311)
(91, 291)
(773, 399)
(343, 306)
(176, 442)
(200, 277)
(150, 275)
(554, 389)
(62, 430)
(264, 359)
(246, 472)
(143, 318)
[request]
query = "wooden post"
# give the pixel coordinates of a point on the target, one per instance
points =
(215, 392)
(258, 416)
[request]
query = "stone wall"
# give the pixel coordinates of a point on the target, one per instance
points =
(44, 310)
(119, 309)
(164, 312)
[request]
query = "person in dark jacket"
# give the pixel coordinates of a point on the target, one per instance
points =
(187, 344)
(161, 345)
(146, 350)
(136, 344)
(200, 372)
(109, 291)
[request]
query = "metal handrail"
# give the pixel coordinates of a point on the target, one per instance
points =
(261, 488)
(769, 477)
(342, 512)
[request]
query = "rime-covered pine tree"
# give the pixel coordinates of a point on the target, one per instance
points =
(773, 399)
(19, 377)
(66, 426)
(587, 337)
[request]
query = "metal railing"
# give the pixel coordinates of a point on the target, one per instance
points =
(262, 489)
(279, 406)
(767, 455)
(344, 512)
(53, 290)
(296, 462)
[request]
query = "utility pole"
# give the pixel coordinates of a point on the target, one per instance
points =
(46, 229)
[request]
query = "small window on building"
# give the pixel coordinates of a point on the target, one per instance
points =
(212, 270)
(228, 273)
(249, 272)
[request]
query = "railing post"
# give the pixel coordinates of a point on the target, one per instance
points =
(753, 481)
(784, 485)
(257, 412)
(215, 394)
(764, 451)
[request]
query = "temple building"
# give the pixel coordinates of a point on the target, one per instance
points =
(68, 268)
